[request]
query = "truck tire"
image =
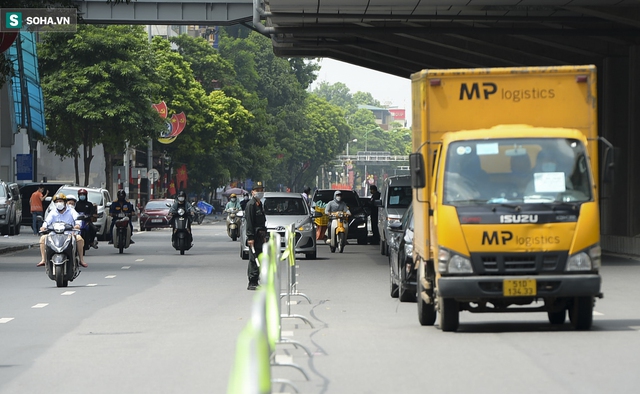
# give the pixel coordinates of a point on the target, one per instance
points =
(581, 313)
(449, 314)
(426, 311)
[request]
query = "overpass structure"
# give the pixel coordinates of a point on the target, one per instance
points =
(400, 37)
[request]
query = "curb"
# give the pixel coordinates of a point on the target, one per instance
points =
(16, 248)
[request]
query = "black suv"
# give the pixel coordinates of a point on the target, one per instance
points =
(359, 213)
(10, 209)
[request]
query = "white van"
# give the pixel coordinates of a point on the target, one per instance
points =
(395, 198)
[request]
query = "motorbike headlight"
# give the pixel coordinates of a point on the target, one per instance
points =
(586, 260)
(181, 211)
(58, 258)
(306, 227)
(453, 263)
(58, 227)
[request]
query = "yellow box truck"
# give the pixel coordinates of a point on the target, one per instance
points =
(505, 193)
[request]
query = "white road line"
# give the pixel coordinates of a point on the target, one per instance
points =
(126, 267)
(286, 333)
(597, 313)
(92, 284)
(283, 358)
(5, 319)
(68, 293)
(139, 260)
(39, 305)
(109, 276)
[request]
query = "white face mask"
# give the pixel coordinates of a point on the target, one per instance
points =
(59, 206)
(548, 167)
(246, 198)
(338, 198)
(181, 199)
(233, 200)
(259, 195)
(82, 198)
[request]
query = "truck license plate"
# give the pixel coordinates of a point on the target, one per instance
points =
(519, 287)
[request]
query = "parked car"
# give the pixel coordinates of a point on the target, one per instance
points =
(10, 208)
(27, 189)
(395, 198)
(155, 214)
(402, 275)
(359, 213)
(281, 210)
(98, 196)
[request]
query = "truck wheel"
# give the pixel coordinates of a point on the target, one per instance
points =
(557, 317)
(581, 313)
(449, 314)
(393, 288)
(426, 312)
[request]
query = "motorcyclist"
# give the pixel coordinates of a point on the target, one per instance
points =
(121, 205)
(233, 204)
(245, 200)
(71, 202)
(334, 206)
(61, 213)
(90, 211)
(181, 202)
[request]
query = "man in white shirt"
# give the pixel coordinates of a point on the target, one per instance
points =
(61, 213)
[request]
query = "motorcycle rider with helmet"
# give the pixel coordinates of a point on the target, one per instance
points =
(333, 206)
(90, 211)
(120, 206)
(181, 202)
(61, 213)
(233, 203)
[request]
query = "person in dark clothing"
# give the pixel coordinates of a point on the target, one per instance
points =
(181, 202)
(375, 195)
(245, 200)
(90, 211)
(118, 209)
(256, 227)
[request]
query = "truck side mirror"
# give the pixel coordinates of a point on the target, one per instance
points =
(609, 159)
(417, 169)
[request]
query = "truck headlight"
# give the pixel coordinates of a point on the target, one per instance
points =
(452, 263)
(586, 260)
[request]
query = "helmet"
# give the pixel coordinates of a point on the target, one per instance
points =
(122, 194)
(307, 189)
(59, 196)
(181, 193)
(233, 195)
(70, 197)
(337, 193)
(82, 192)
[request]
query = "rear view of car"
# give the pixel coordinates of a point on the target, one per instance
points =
(395, 198)
(155, 214)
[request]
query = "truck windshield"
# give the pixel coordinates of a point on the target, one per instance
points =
(518, 170)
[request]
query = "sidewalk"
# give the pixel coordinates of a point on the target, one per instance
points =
(25, 240)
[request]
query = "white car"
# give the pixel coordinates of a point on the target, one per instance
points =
(281, 210)
(100, 197)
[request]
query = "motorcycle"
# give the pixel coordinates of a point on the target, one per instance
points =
(233, 224)
(84, 233)
(122, 235)
(181, 237)
(62, 261)
(338, 237)
(199, 214)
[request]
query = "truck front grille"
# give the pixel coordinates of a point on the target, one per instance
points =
(518, 263)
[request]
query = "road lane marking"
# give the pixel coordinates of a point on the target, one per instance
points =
(92, 284)
(42, 305)
(139, 260)
(5, 319)
(109, 276)
(284, 359)
(286, 333)
(597, 313)
(126, 267)
(67, 293)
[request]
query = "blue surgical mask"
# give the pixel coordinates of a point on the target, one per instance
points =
(233, 200)
(82, 198)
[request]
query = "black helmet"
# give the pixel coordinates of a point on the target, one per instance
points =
(122, 194)
(181, 193)
(307, 189)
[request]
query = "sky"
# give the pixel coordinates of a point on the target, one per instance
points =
(388, 89)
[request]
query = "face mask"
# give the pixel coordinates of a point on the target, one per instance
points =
(548, 167)
(181, 199)
(59, 206)
(246, 198)
(259, 195)
(338, 198)
(82, 198)
(233, 200)
(72, 205)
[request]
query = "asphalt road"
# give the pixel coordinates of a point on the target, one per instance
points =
(152, 321)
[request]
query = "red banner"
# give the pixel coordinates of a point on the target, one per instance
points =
(182, 177)
(161, 108)
(172, 189)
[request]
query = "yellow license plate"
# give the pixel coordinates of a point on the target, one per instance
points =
(519, 287)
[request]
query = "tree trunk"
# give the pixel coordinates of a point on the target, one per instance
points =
(75, 167)
(87, 153)
(108, 171)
